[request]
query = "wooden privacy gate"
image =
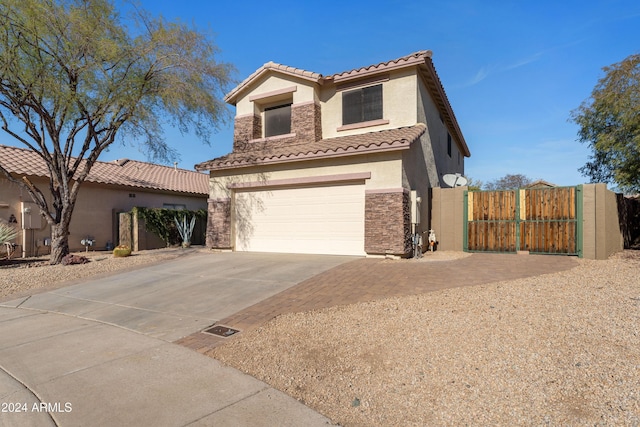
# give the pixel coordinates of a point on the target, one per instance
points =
(538, 220)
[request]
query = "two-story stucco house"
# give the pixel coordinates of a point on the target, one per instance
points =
(333, 164)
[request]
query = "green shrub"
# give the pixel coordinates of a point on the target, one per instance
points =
(162, 222)
(122, 251)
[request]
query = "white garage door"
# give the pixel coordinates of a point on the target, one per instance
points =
(318, 220)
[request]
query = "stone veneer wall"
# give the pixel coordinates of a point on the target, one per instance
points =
(246, 128)
(306, 126)
(387, 223)
(306, 122)
(219, 224)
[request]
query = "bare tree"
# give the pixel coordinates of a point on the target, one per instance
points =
(508, 182)
(74, 74)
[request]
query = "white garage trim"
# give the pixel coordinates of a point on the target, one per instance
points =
(307, 180)
(327, 219)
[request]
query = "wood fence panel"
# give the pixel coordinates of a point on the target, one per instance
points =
(540, 220)
(492, 227)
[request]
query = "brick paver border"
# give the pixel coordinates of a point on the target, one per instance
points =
(370, 279)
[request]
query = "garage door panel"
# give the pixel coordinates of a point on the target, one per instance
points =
(303, 220)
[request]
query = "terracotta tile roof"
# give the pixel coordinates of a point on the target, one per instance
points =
(420, 59)
(280, 152)
(124, 172)
(405, 61)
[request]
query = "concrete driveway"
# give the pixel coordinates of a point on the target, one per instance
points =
(100, 352)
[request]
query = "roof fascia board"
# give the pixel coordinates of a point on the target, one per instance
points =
(307, 180)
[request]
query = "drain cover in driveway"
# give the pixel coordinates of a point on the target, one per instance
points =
(221, 331)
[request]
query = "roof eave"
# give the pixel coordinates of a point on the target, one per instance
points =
(435, 86)
(396, 146)
(233, 95)
(413, 59)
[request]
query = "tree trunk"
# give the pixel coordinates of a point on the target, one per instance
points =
(59, 243)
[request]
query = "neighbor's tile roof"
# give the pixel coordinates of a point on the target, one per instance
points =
(540, 183)
(123, 172)
(280, 152)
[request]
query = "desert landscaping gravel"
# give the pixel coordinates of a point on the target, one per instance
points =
(556, 349)
(19, 277)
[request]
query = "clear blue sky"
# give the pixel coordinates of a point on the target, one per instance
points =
(513, 70)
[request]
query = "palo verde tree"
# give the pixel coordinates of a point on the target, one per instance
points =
(74, 74)
(609, 122)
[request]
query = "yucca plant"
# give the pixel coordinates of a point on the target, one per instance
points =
(7, 233)
(184, 230)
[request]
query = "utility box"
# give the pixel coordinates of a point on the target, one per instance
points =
(415, 207)
(30, 216)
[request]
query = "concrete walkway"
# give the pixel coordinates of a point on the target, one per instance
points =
(100, 352)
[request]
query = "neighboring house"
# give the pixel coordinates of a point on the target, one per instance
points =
(540, 183)
(110, 188)
(329, 164)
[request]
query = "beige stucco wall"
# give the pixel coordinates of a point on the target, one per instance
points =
(427, 160)
(601, 228)
(416, 169)
(305, 91)
(435, 138)
(399, 106)
(399, 95)
(94, 213)
(447, 217)
(385, 169)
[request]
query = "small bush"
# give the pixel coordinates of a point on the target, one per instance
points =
(122, 251)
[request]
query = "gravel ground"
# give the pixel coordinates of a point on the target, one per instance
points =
(557, 349)
(20, 277)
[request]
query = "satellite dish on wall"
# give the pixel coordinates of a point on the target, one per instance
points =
(454, 180)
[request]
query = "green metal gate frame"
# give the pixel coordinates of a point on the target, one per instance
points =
(578, 220)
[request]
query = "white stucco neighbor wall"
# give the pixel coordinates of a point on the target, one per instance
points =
(399, 105)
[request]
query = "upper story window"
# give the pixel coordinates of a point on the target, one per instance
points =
(449, 144)
(362, 105)
(277, 120)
